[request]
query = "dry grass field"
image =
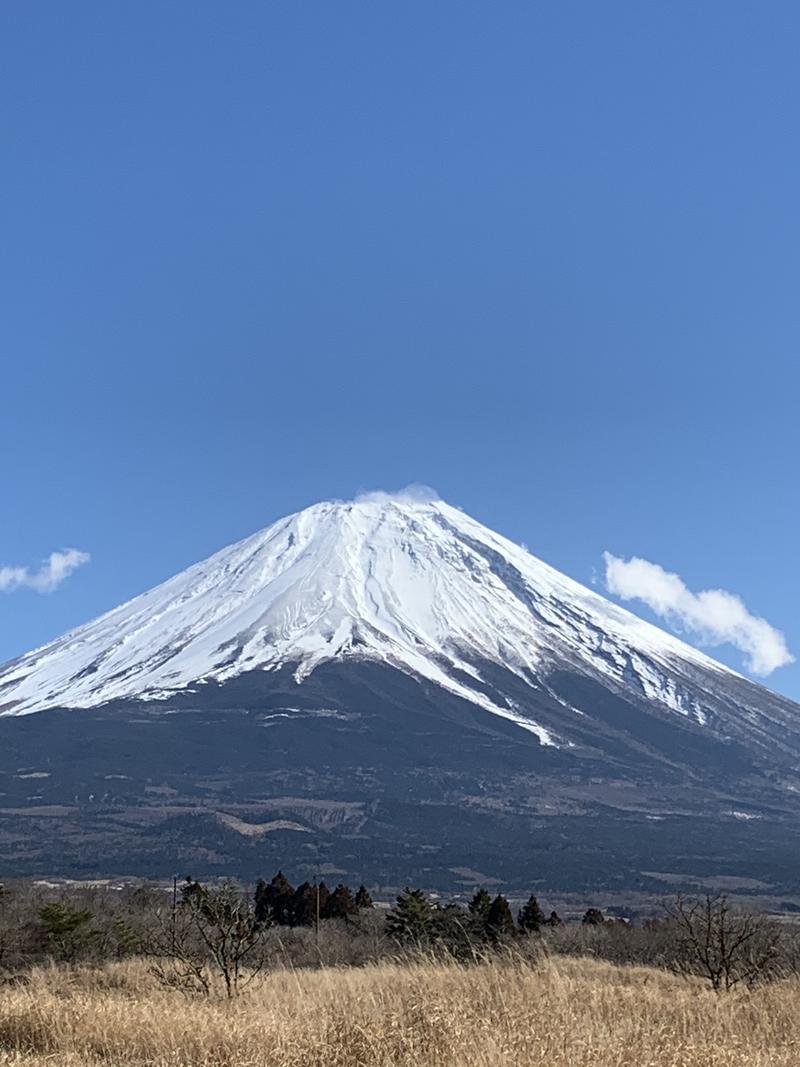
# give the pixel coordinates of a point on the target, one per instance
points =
(561, 1013)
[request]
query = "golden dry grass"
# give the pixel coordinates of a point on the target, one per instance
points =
(562, 1013)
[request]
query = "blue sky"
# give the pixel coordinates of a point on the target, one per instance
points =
(543, 257)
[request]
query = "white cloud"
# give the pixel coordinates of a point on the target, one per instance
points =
(54, 570)
(415, 493)
(714, 616)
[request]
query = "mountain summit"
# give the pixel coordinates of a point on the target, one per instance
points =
(366, 642)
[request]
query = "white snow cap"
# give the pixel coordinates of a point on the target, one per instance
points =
(404, 579)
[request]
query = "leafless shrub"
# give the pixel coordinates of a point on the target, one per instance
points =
(209, 931)
(721, 943)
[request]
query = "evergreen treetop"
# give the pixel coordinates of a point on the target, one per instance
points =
(340, 903)
(273, 901)
(409, 921)
(302, 910)
(363, 898)
(499, 920)
(531, 917)
(480, 903)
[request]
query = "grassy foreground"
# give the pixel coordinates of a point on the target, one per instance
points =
(561, 1013)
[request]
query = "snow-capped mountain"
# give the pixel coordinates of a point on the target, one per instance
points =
(402, 624)
(417, 585)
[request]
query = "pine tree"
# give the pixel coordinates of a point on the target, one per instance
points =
(273, 901)
(340, 903)
(68, 930)
(409, 921)
(499, 920)
(531, 917)
(363, 899)
(456, 929)
(261, 903)
(308, 903)
(123, 939)
(302, 909)
(480, 903)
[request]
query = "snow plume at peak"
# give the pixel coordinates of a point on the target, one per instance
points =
(53, 571)
(416, 493)
(715, 616)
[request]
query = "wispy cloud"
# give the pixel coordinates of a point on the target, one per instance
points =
(713, 616)
(416, 492)
(53, 571)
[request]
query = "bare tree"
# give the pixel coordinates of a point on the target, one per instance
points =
(721, 943)
(210, 930)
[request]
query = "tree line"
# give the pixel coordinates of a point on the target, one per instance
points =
(415, 917)
(278, 903)
(202, 935)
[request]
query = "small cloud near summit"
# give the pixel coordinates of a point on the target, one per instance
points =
(416, 493)
(713, 616)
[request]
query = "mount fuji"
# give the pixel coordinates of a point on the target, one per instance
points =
(388, 688)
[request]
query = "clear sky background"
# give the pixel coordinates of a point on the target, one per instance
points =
(541, 256)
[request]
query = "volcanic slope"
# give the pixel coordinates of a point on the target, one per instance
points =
(387, 670)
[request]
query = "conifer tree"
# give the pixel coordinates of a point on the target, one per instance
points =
(308, 903)
(303, 907)
(340, 903)
(409, 921)
(456, 929)
(261, 903)
(531, 917)
(363, 898)
(499, 920)
(68, 930)
(480, 903)
(273, 901)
